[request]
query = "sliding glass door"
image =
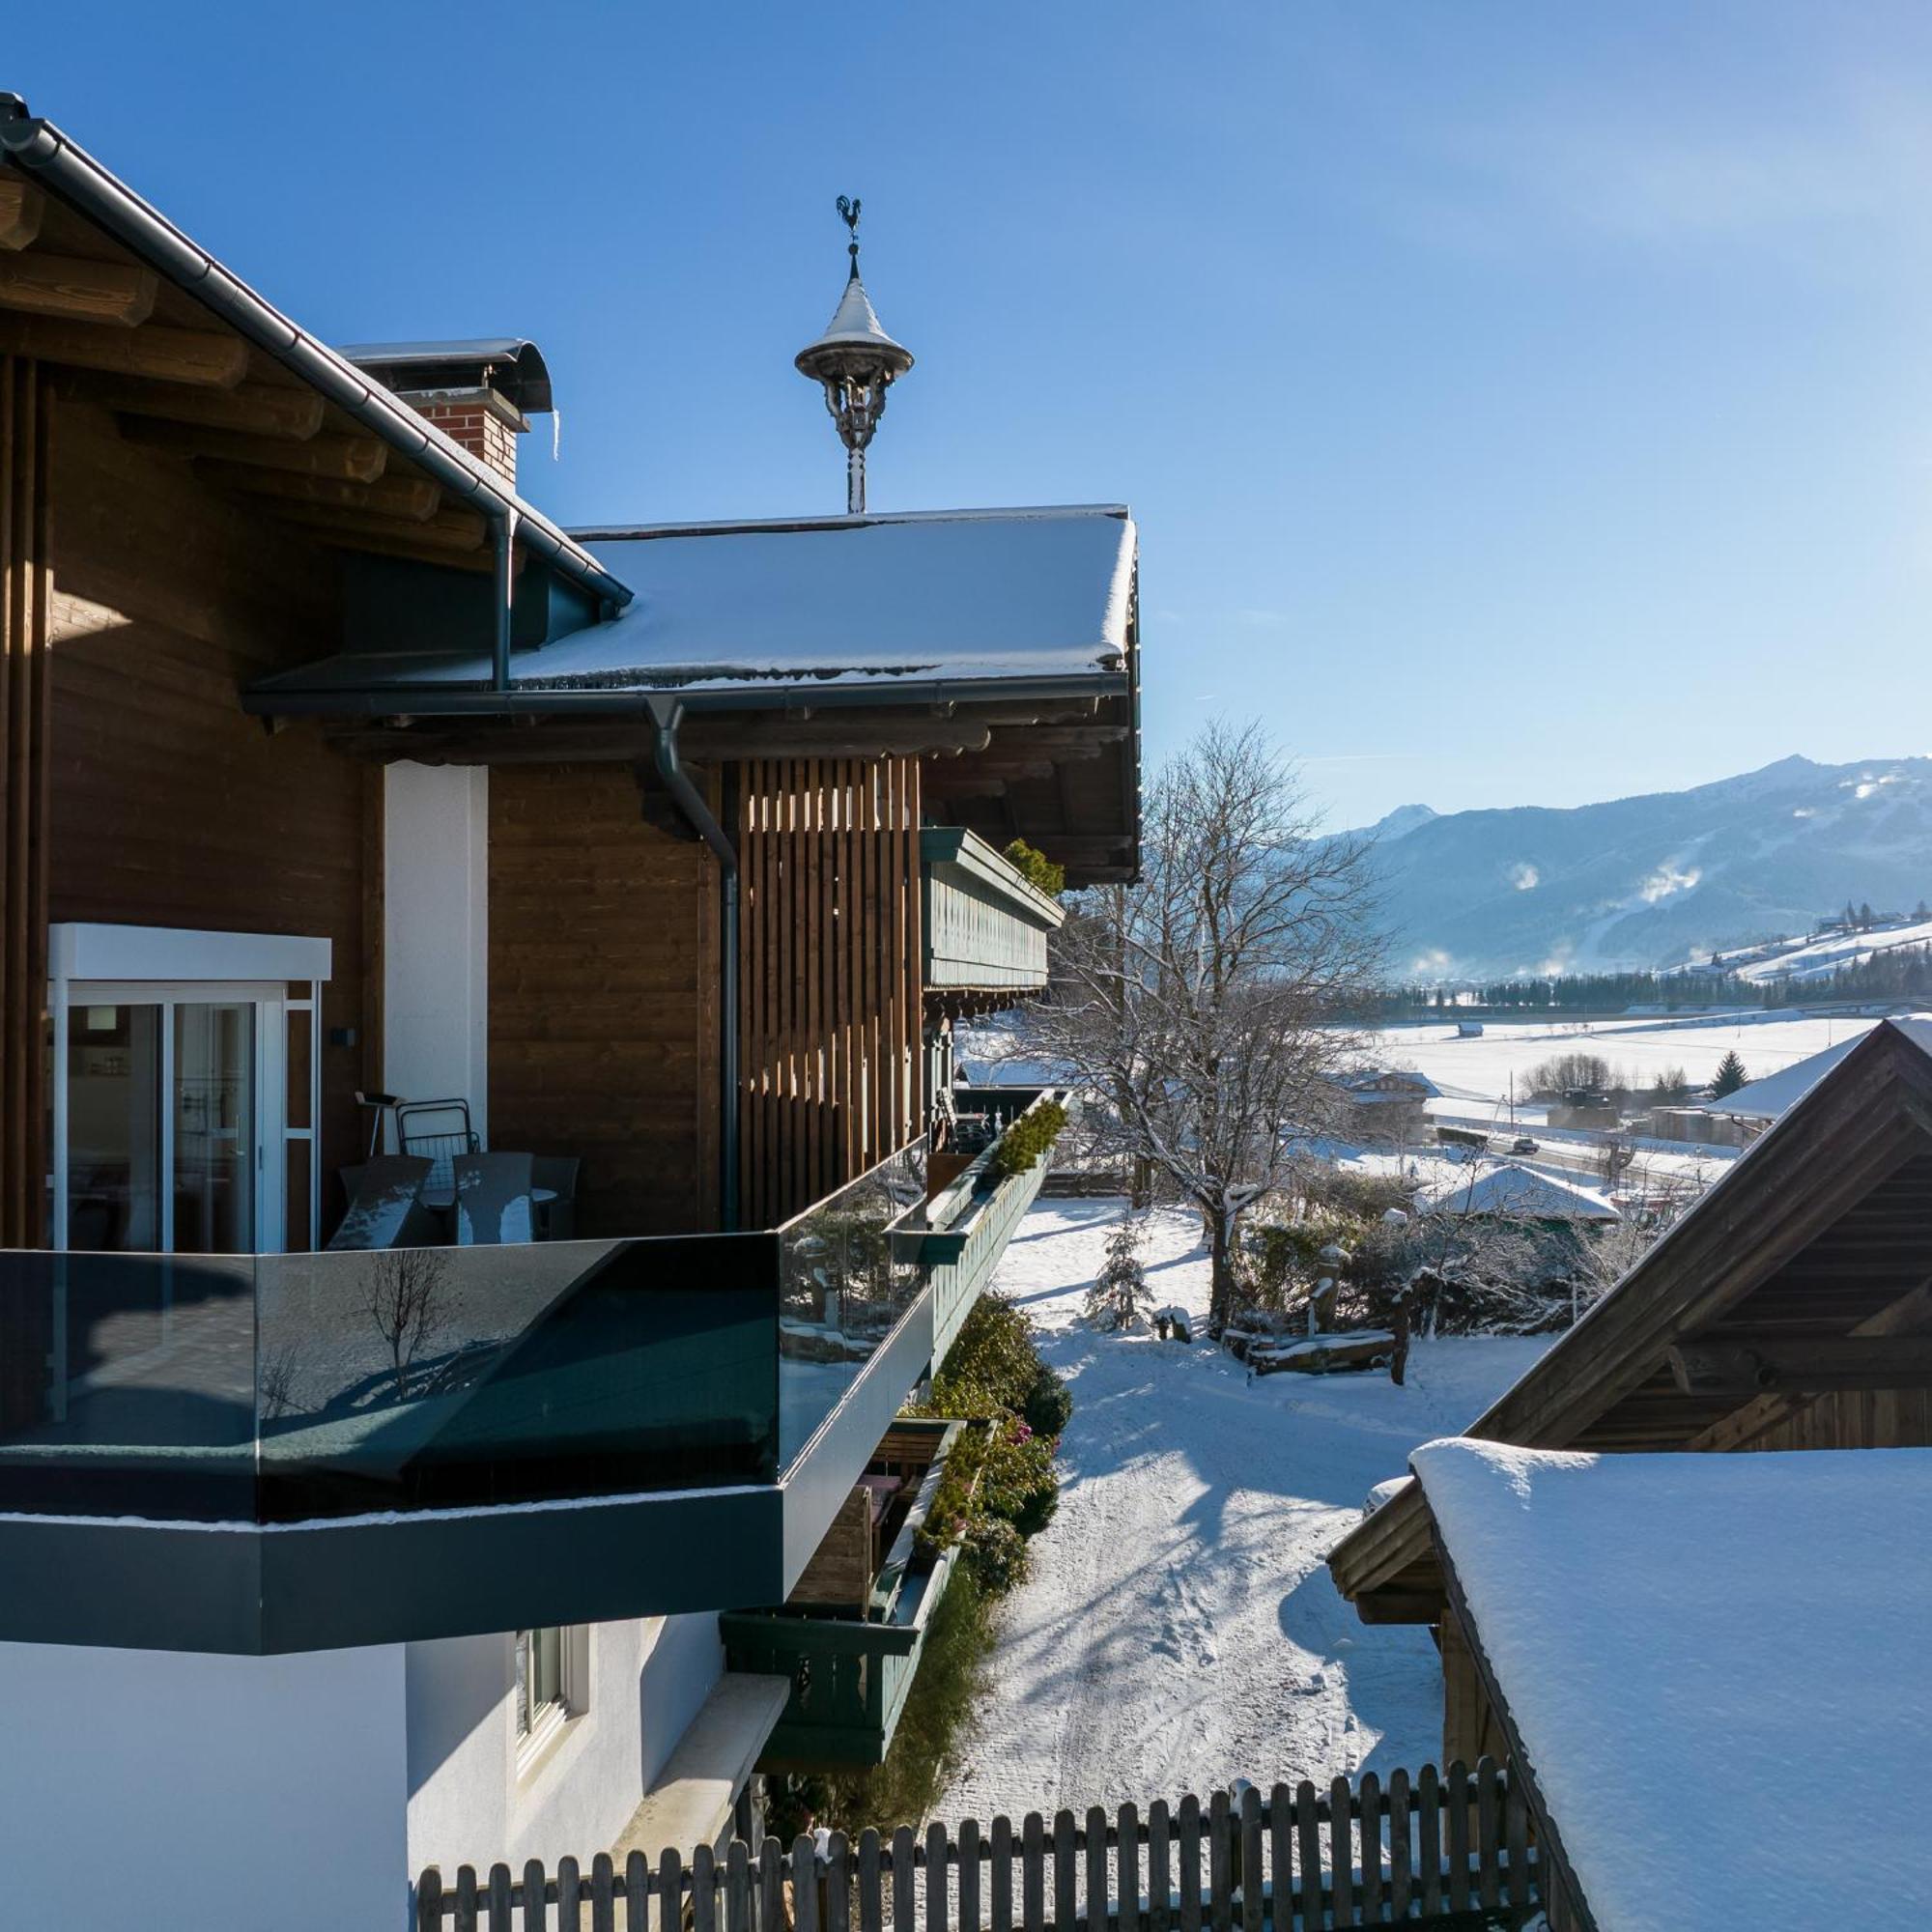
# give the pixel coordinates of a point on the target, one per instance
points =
(175, 1116)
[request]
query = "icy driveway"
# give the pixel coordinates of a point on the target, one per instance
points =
(1179, 1627)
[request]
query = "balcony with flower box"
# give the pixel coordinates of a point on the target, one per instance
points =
(987, 925)
(849, 1637)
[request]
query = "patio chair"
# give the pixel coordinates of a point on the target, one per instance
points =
(493, 1199)
(555, 1174)
(385, 1208)
(440, 1130)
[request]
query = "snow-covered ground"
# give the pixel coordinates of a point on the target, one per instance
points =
(1179, 1627)
(1815, 957)
(1479, 1070)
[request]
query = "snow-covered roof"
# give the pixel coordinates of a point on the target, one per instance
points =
(1519, 1193)
(1768, 1098)
(853, 325)
(1694, 1651)
(842, 605)
(1408, 1084)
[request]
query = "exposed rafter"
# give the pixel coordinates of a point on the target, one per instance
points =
(200, 358)
(350, 459)
(114, 293)
(413, 498)
(21, 207)
(253, 408)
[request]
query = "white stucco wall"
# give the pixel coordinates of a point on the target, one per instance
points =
(435, 934)
(468, 1805)
(221, 1793)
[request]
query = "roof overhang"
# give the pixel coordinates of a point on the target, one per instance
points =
(1004, 645)
(66, 171)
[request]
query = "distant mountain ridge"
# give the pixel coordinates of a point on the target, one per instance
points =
(1649, 882)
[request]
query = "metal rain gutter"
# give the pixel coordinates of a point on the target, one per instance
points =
(79, 179)
(805, 700)
(667, 714)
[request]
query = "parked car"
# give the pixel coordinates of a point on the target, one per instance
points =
(1522, 1144)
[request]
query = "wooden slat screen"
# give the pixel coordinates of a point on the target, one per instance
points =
(25, 599)
(829, 954)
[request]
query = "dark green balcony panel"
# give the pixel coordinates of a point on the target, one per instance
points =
(985, 924)
(851, 1675)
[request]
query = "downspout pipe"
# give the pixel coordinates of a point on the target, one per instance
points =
(667, 714)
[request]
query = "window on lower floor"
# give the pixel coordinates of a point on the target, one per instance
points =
(552, 1681)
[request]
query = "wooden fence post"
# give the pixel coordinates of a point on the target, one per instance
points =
(1371, 1840)
(1160, 1884)
(1188, 1852)
(429, 1901)
(1308, 1841)
(1127, 1868)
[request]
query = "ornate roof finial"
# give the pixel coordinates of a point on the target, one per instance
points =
(855, 361)
(849, 212)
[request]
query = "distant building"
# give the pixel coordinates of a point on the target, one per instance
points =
(1469, 1029)
(1703, 1126)
(1385, 1106)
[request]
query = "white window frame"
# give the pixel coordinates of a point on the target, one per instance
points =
(167, 966)
(537, 1731)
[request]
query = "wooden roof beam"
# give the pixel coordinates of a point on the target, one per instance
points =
(21, 208)
(251, 409)
(202, 359)
(349, 459)
(449, 530)
(413, 499)
(113, 293)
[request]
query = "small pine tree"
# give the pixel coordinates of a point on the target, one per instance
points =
(1730, 1075)
(1867, 918)
(1920, 913)
(1036, 867)
(1119, 1298)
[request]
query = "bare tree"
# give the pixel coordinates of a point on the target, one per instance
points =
(408, 1301)
(1206, 1007)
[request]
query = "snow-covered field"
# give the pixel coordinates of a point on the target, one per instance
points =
(1179, 1627)
(1480, 1070)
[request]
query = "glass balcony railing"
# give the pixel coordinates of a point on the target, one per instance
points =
(284, 1389)
(846, 1284)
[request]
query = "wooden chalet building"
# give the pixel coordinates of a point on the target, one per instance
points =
(1791, 1309)
(332, 767)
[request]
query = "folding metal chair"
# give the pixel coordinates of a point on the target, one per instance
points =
(439, 1130)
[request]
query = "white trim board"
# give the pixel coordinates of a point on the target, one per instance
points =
(78, 951)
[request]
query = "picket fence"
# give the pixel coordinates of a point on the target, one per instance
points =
(1449, 1850)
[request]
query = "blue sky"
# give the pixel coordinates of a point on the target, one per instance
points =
(1520, 403)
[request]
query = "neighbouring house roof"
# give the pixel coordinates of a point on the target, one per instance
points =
(1516, 1193)
(1823, 1227)
(1766, 1098)
(1689, 1653)
(1371, 1084)
(840, 610)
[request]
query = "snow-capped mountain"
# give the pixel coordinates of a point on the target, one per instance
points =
(1651, 881)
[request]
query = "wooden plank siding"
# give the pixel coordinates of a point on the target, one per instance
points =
(604, 970)
(829, 998)
(25, 599)
(166, 806)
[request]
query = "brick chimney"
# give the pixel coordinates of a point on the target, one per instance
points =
(481, 394)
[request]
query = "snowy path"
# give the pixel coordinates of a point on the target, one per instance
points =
(1179, 1627)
